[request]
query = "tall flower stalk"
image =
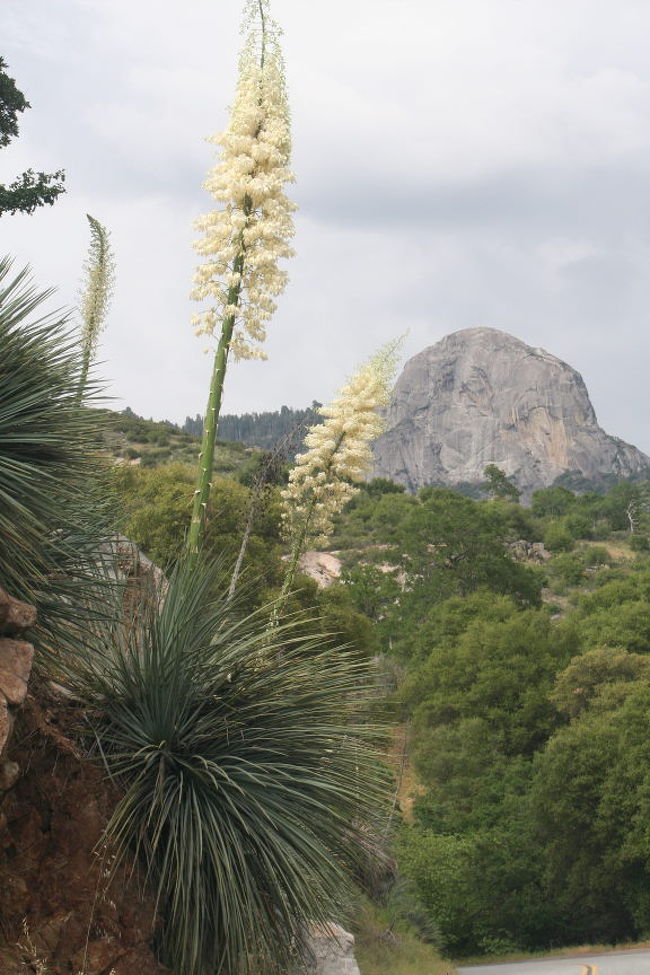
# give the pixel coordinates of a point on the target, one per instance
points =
(243, 240)
(96, 295)
(338, 453)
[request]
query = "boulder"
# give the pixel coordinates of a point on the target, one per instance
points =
(15, 667)
(330, 951)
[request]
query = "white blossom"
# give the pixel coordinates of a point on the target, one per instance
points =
(245, 237)
(96, 294)
(338, 450)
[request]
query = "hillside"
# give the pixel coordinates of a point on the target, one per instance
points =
(517, 643)
(130, 439)
(509, 648)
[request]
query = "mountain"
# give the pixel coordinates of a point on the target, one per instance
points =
(481, 396)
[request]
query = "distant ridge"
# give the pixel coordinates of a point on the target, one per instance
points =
(259, 429)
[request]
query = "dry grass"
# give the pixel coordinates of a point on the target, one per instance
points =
(406, 783)
(385, 949)
(34, 958)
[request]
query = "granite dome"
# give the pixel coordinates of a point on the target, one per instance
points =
(481, 396)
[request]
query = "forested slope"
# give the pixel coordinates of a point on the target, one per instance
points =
(523, 685)
(526, 690)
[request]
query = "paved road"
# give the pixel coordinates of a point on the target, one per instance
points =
(634, 962)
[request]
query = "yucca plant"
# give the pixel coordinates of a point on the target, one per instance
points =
(244, 769)
(52, 520)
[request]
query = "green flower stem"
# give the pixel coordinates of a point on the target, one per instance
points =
(296, 552)
(294, 558)
(206, 457)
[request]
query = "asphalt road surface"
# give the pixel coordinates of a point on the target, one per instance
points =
(634, 962)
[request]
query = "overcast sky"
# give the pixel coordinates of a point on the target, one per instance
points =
(458, 162)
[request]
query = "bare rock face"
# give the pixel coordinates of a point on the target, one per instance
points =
(481, 396)
(323, 567)
(330, 951)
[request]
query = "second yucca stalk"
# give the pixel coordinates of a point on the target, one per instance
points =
(338, 453)
(244, 240)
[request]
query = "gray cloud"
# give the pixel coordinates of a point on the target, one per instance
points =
(461, 162)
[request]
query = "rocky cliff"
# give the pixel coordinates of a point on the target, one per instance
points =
(481, 396)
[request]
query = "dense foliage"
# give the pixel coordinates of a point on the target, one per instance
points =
(524, 684)
(526, 687)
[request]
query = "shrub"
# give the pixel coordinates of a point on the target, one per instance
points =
(639, 543)
(558, 538)
(568, 568)
(597, 555)
(247, 776)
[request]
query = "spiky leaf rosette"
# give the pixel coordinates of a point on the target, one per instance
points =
(51, 515)
(244, 770)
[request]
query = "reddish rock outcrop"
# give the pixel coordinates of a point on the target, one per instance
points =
(61, 910)
(59, 904)
(15, 663)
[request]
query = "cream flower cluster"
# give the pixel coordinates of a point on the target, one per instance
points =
(99, 269)
(244, 238)
(338, 450)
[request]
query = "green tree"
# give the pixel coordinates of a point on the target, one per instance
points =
(552, 502)
(484, 890)
(499, 485)
(589, 802)
(627, 506)
(558, 538)
(29, 190)
(441, 868)
(154, 504)
(626, 625)
(339, 616)
(450, 545)
(500, 671)
(373, 590)
(594, 673)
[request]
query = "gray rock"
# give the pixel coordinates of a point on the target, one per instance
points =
(481, 396)
(330, 951)
(15, 667)
(9, 774)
